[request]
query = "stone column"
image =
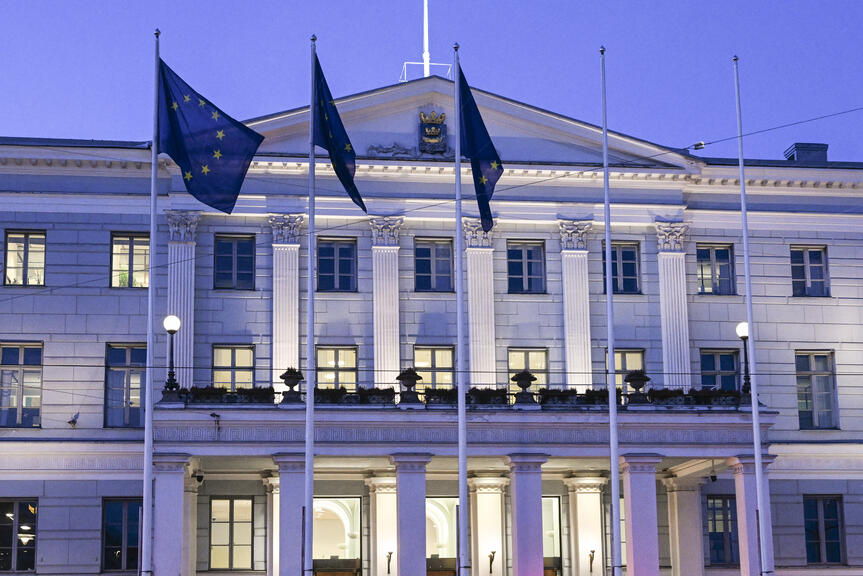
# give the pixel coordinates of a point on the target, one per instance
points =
(382, 526)
(190, 526)
(286, 294)
(676, 364)
(480, 298)
(290, 529)
(182, 226)
(746, 500)
(585, 521)
(526, 500)
(169, 536)
(385, 290)
(411, 511)
(685, 525)
(576, 302)
(639, 499)
(487, 515)
(272, 486)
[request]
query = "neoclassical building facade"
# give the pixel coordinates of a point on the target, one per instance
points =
(229, 460)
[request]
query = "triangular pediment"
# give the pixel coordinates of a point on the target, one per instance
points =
(385, 123)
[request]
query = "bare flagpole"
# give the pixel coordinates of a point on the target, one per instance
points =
(610, 373)
(147, 504)
(463, 546)
(764, 529)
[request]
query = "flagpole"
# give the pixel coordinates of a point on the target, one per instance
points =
(764, 529)
(463, 547)
(311, 378)
(147, 504)
(610, 372)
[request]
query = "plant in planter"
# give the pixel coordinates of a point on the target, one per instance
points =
(549, 397)
(291, 377)
(441, 395)
(256, 395)
(206, 395)
(637, 379)
(329, 395)
(523, 380)
(664, 396)
(377, 395)
(600, 396)
(492, 396)
(713, 397)
(408, 379)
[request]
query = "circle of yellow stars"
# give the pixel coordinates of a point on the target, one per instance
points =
(220, 135)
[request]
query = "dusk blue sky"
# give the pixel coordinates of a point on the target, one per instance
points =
(84, 69)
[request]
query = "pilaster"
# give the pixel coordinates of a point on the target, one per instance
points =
(585, 521)
(576, 302)
(385, 289)
(487, 517)
(290, 510)
(685, 525)
(746, 500)
(383, 521)
(190, 525)
(271, 484)
(525, 472)
(182, 226)
(640, 517)
(411, 511)
(672, 304)
(170, 539)
(286, 293)
(480, 298)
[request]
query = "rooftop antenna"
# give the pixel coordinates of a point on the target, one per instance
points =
(426, 63)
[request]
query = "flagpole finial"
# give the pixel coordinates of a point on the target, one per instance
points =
(455, 46)
(314, 38)
(602, 50)
(157, 33)
(735, 58)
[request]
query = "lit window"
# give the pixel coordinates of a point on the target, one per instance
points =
(18, 535)
(435, 365)
(624, 268)
(525, 265)
(823, 526)
(715, 269)
(624, 361)
(20, 385)
(124, 385)
(441, 530)
(130, 261)
(233, 367)
(336, 534)
(25, 258)
(722, 530)
(231, 534)
(234, 262)
(433, 265)
(337, 368)
(816, 394)
(551, 533)
(120, 535)
(534, 360)
(809, 271)
(337, 265)
(719, 370)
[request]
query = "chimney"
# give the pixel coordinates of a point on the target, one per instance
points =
(806, 153)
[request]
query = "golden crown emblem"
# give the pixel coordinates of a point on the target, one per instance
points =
(432, 118)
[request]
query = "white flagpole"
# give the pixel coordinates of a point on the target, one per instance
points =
(147, 504)
(311, 377)
(463, 546)
(764, 530)
(610, 373)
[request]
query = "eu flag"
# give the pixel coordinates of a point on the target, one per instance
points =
(477, 146)
(330, 134)
(212, 149)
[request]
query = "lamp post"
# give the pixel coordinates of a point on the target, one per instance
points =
(743, 333)
(172, 325)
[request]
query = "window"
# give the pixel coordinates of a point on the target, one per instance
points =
(25, 258)
(624, 361)
(722, 530)
(551, 529)
(435, 365)
(336, 534)
(822, 518)
(231, 534)
(337, 368)
(534, 360)
(715, 269)
(433, 265)
(441, 535)
(815, 392)
(624, 257)
(525, 265)
(233, 367)
(337, 265)
(18, 535)
(809, 271)
(235, 262)
(719, 370)
(130, 261)
(120, 534)
(124, 385)
(20, 385)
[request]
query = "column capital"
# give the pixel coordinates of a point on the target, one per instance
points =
(585, 485)
(639, 463)
(182, 225)
(488, 484)
(286, 227)
(670, 235)
(290, 461)
(574, 234)
(385, 230)
(474, 235)
(683, 484)
(410, 461)
(381, 484)
(170, 462)
(745, 463)
(525, 461)
(272, 484)
(190, 484)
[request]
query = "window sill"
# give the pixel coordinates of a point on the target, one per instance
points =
(715, 294)
(543, 293)
(141, 288)
(24, 285)
(450, 291)
(225, 289)
(336, 291)
(807, 296)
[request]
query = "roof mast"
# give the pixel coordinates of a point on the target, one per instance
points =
(426, 63)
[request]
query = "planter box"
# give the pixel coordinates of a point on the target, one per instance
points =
(487, 396)
(440, 396)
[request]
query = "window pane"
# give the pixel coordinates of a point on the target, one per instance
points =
(220, 510)
(443, 358)
(422, 357)
(242, 510)
(242, 558)
(219, 557)
(244, 357)
(222, 357)
(243, 533)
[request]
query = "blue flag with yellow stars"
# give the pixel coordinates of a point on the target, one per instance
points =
(330, 134)
(212, 149)
(477, 146)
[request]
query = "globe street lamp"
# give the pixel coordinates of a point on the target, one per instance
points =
(743, 333)
(171, 325)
